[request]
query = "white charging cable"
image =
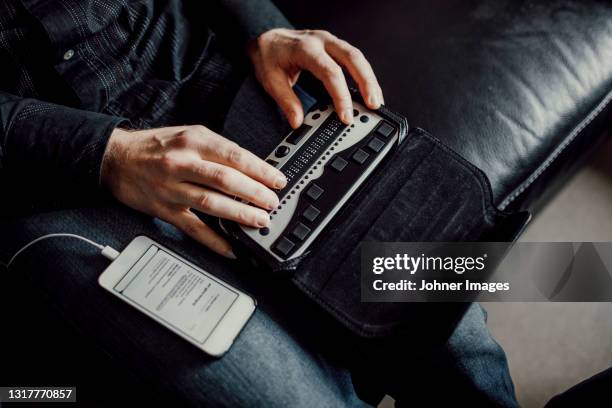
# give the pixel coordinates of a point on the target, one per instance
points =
(106, 251)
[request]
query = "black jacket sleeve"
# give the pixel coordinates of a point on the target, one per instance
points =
(241, 21)
(42, 142)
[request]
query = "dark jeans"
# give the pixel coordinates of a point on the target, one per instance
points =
(289, 354)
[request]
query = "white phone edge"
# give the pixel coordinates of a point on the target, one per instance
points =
(222, 338)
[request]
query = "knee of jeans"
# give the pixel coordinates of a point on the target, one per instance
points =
(471, 331)
(483, 310)
(266, 366)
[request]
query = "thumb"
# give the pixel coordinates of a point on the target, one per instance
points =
(278, 86)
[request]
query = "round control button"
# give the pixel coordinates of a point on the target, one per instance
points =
(264, 231)
(364, 118)
(282, 151)
(316, 116)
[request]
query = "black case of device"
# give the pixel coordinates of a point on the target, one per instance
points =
(425, 192)
(421, 192)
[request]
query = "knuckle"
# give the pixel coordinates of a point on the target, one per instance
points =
(220, 177)
(168, 163)
(331, 71)
(267, 172)
(190, 229)
(264, 195)
(205, 201)
(354, 53)
(345, 101)
(182, 139)
(234, 154)
(245, 216)
(295, 43)
(322, 33)
(200, 129)
(309, 44)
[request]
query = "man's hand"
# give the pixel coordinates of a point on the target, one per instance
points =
(280, 55)
(168, 171)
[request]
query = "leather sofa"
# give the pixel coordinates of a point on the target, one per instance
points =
(522, 89)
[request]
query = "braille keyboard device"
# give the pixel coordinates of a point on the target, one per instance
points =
(325, 162)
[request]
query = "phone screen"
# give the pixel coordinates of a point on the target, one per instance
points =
(188, 300)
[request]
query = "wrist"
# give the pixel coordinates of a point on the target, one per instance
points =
(255, 45)
(112, 158)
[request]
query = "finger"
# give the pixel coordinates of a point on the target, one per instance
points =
(360, 69)
(231, 182)
(219, 205)
(329, 72)
(230, 154)
(278, 85)
(191, 225)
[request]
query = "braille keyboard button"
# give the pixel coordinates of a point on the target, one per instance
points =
(299, 133)
(376, 144)
(385, 129)
(284, 246)
(338, 163)
(264, 231)
(272, 162)
(360, 156)
(364, 119)
(311, 213)
(314, 192)
(282, 151)
(300, 231)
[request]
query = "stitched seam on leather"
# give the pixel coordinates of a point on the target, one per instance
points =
(531, 179)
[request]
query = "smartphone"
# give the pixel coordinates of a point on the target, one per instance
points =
(202, 309)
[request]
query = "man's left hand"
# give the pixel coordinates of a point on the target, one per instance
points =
(280, 55)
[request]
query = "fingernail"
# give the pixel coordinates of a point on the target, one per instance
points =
(295, 120)
(263, 220)
(272, 205)
(374, 102)
(281, 181)
(230, 254)
(347, 116)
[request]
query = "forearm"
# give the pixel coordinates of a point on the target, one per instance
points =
(42, 142)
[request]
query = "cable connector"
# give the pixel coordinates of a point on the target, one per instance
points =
(106, 251)
(110, 253)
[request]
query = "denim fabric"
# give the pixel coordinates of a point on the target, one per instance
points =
(291, 353)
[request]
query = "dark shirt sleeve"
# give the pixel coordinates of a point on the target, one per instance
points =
(42, 142)
(245, 20)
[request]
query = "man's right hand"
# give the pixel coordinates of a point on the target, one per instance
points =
(166, 172)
